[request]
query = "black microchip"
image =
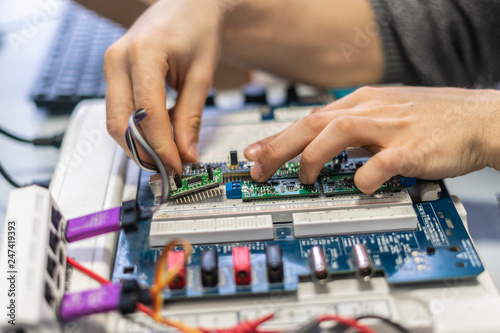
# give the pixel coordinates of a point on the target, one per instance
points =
(194, 180)
(359, 164)
(337, 166)
(330, 182)
(233, 157)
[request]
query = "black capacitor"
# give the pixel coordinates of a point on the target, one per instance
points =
(274, 263)
(209, 267)
(233, 157)
(210, 172)
(178, 180)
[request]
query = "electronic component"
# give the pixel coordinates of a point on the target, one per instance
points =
(174, 259)
(210, 172)
(277, 188)
(242, 265)
(233, 158)
(318, 263)
(93, 224)
(109, 297)
(194, 188)
(344, 184)
(274, 263)
(427, 191)
(177, 180)
(34, 256)
(209, 267)
(356, 220)
(215, 230)
(362, 261)
(233, 190)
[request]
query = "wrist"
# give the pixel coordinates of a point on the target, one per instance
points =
(493, 134)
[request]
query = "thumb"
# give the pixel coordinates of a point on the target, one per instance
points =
(378, 169)
(186, 115)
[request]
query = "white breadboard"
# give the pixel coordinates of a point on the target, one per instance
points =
(216, 230)
(357, 220)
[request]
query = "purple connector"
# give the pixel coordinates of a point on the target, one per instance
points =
(104, 299)
(93, 225)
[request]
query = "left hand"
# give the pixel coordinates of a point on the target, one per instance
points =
(429, 133)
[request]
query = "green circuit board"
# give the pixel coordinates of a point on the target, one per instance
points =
(200, 182)
(344, 184)
(278, 188)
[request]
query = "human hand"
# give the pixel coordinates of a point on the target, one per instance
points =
(177, 41)
(429, 133)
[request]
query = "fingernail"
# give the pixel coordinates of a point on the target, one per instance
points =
(253, 151)
(193, 151)
(256, 171)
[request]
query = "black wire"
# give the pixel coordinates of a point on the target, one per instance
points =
(7, 177)
(385, 320)
(15, 137)
(54, 141)
(342, 328)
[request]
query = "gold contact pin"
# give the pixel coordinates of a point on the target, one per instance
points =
(204, 196)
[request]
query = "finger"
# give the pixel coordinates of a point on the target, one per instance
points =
(119, 97)
(148, 71)
(378, 169)
(288, 144)
(253, 151)
(341, 133)
(186, 115)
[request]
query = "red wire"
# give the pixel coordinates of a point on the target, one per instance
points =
(346, 321)
(87, 271)
(141, 307)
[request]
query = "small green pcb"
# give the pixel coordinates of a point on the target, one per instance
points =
(277, 188)
(344, 184)
(200, 182)
(288, 170)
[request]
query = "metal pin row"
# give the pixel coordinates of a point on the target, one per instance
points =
(198, 196)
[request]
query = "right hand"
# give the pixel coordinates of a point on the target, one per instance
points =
(176, 40)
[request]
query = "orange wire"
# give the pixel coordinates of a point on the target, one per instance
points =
(162, 279)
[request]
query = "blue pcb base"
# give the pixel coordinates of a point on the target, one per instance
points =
(440, 249)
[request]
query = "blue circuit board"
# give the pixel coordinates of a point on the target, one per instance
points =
(439, 249)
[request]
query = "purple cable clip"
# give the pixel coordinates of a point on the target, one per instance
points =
(93, 224)
(79, 304)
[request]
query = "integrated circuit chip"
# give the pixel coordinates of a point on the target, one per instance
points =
(344, 184)
(278, 188)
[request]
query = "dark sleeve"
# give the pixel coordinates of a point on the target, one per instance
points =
(440, 42)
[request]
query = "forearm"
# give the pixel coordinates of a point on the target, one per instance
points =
(321, 42)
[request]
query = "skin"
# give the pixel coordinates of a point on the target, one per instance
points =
(430, 133)
(181, 41)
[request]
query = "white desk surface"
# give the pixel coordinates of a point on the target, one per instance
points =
(19, 69)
